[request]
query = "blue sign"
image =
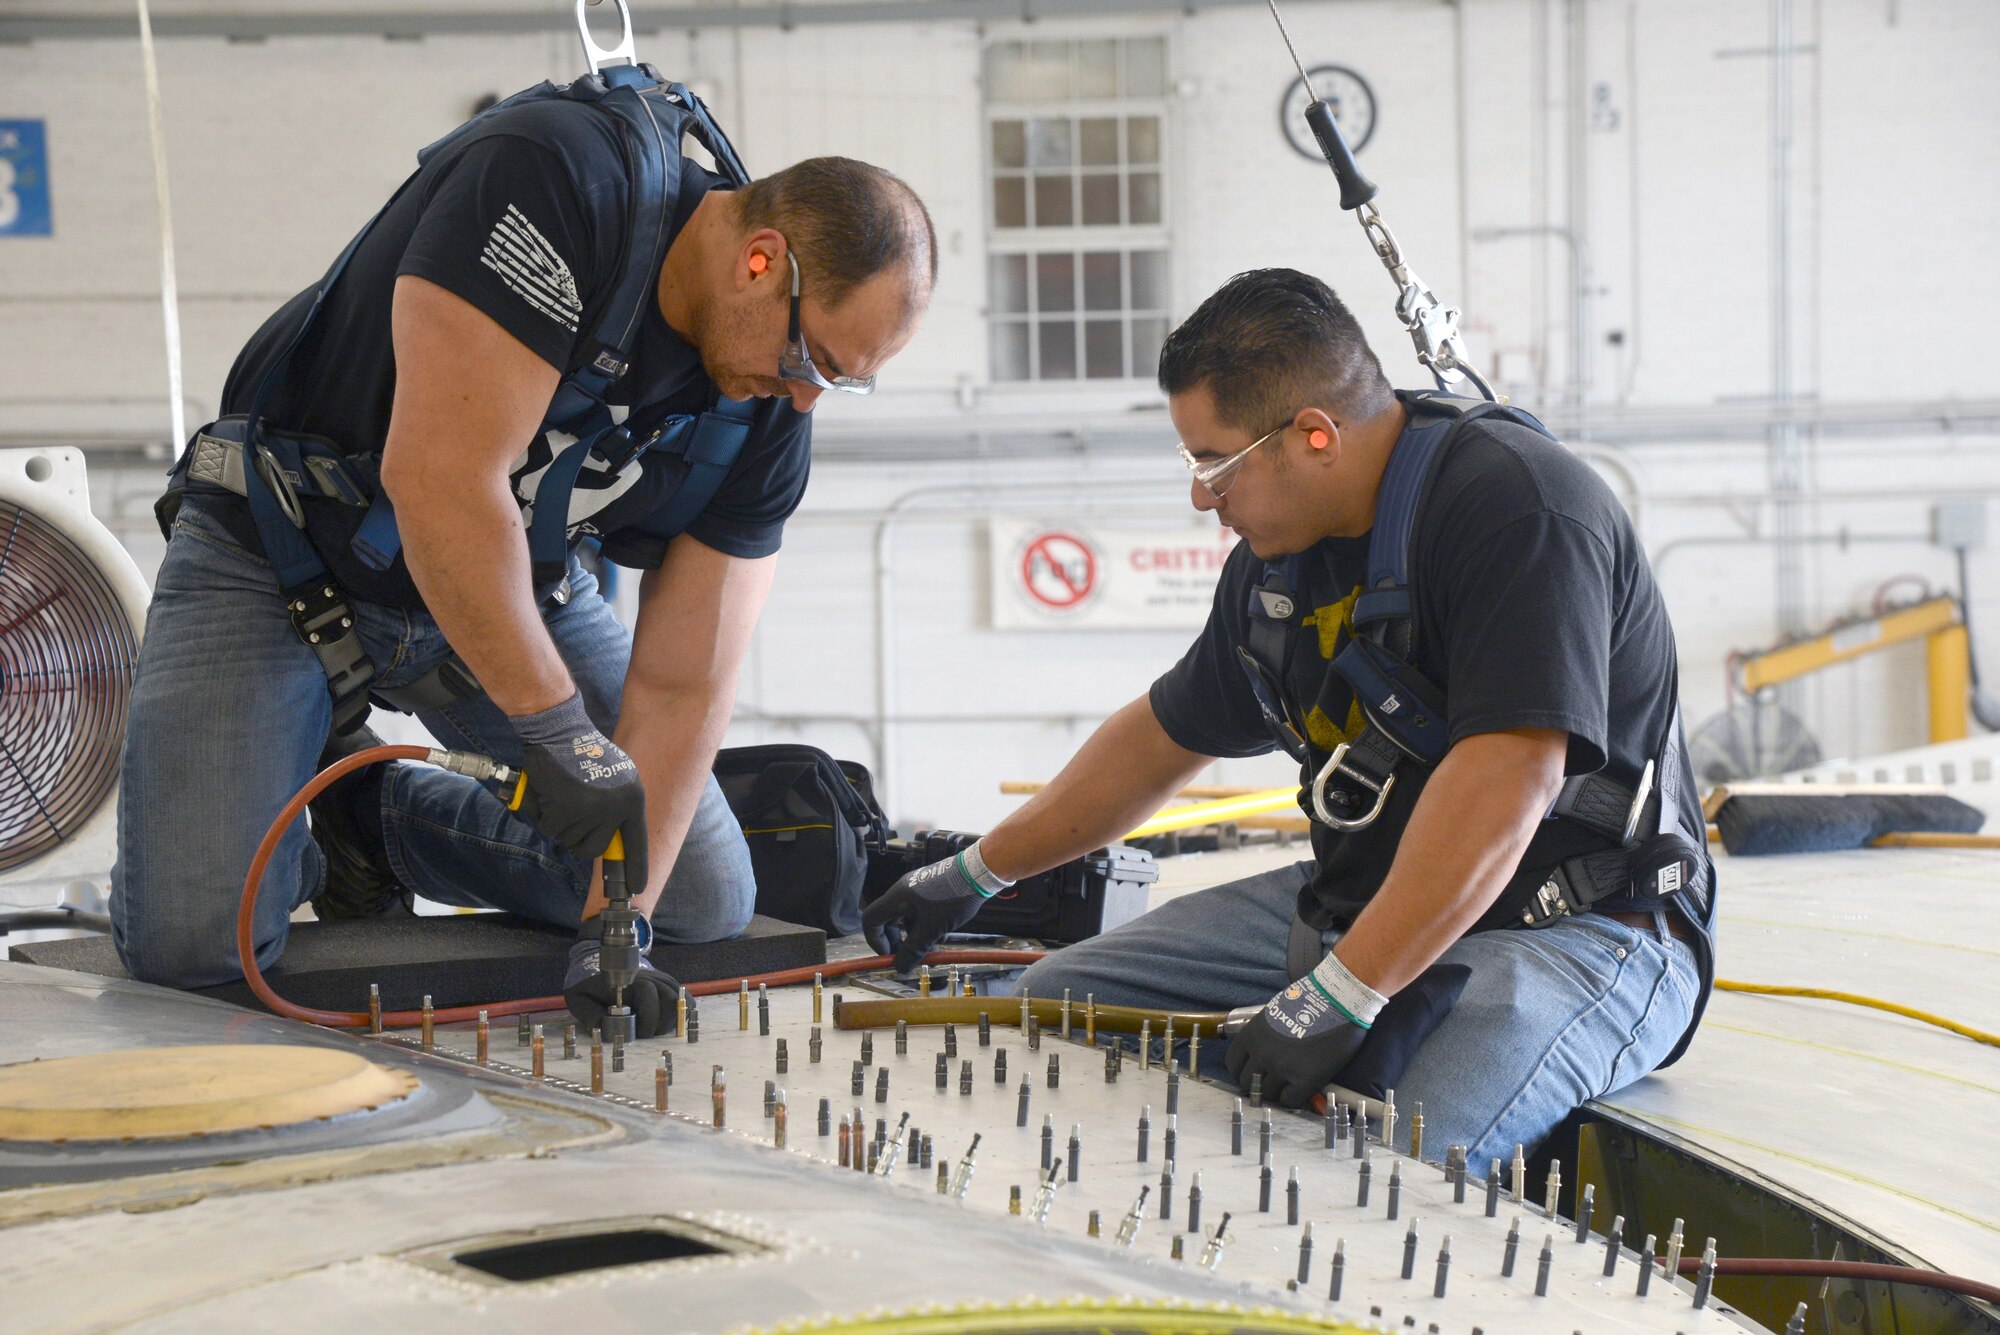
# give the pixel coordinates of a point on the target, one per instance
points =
(24, 179)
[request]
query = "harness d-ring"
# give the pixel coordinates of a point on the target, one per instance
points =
(1334, 766)
(597, 55)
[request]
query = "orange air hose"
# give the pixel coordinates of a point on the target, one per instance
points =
(246, 948)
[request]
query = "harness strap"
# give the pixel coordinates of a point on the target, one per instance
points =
(712, 447)
(548, 527)
(269, 475)
(1397, 699)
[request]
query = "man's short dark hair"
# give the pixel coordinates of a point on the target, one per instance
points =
(1270, 342)
(847, 221)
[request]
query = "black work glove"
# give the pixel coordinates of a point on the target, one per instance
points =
(580, 788)
(1304, 1035)
(651, 995)
(928, 903)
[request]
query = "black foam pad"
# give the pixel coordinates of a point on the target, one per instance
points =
(1755, 824)
(459, 960)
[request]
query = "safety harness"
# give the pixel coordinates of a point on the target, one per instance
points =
(276, 471)
(1649, 857)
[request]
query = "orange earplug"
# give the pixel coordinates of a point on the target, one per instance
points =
(758, 263)
(1317, 440)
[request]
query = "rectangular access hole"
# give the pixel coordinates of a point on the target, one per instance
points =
(572, 1254)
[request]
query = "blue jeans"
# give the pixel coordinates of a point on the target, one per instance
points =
(1550, 1018)
(228, 718)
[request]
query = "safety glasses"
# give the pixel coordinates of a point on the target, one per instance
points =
(1218, 475)
(797, 363)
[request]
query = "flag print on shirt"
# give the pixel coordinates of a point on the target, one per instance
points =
(530, 266)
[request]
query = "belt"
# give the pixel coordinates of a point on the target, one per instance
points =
(1677, 926)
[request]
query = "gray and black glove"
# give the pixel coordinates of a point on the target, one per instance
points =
(580, 788)
(650, 996)
(1305, 1034)
(924, 905)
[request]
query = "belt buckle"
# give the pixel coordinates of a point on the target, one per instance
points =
(1336, 764)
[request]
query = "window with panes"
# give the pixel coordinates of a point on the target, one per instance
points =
(1077, 256)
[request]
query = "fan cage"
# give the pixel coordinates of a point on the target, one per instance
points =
(68, 658)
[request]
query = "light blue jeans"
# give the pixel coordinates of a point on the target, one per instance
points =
(228, 717)
(1550, 1018)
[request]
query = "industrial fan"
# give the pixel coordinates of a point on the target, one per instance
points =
(1751, 739)
(72, 608)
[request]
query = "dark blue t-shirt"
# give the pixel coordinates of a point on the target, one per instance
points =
(527, 225)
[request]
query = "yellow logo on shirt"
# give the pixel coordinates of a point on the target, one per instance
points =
(1335, 623)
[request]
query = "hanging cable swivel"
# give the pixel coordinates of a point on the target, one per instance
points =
(1432, 325)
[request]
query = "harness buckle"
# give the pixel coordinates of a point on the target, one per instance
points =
(1639, 796)
(1548, 906)
(320, 615)
(1337, 764)
(275, 477)
(324, 623)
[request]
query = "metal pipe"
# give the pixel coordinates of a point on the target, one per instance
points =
(1633, 213)
(899, 508)
(1786, 462)
(1840, 539)
(923, 437)
(1461, 157)
(784, 16)
(1580, 279)
(1576, 207)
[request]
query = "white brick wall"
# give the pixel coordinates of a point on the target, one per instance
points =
(279, 149)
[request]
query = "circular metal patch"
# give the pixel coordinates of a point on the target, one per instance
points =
(173, 1093)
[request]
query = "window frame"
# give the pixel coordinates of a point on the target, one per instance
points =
(1031, 242)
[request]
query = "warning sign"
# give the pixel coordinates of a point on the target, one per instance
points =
(1059, 571)
(1048, 576)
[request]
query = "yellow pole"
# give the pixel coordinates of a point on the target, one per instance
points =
(1950, 661)
(1215, 813)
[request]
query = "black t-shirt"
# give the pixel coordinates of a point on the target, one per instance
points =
(1535, 608)
(527, 225)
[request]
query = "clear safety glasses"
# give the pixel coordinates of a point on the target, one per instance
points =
(797, 363)
(1218, 475)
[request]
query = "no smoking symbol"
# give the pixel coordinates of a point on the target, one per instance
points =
(1059, 571)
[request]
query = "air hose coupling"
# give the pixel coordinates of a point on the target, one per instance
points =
(471, 764)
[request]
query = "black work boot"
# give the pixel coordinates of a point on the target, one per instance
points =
(359, 883)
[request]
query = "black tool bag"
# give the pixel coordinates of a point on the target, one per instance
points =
(811, 822)
(1082, 898)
